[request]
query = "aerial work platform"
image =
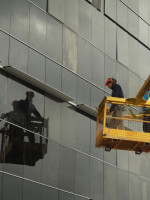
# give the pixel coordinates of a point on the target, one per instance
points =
(129, 131)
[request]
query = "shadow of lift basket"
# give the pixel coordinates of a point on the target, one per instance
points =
(131, 137)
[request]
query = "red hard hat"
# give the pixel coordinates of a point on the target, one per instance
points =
(108, 80)
(30, 93)
(14, 102)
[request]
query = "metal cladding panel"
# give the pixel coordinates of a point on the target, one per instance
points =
(4, 48)
(20, 19)
(5, 15)
(39, 84)
(18, 55)
(37, 34)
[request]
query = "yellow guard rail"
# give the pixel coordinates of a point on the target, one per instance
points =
(131, 136)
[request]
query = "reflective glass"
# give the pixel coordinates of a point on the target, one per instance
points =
(18, 55)
(20, 28)
(67, 169)
(68, 125)
(53, 70)
(52, 114)
(37, 35)
(50, 165)
(31, 191)
(54, 38)
(12, 187)
(36, 65)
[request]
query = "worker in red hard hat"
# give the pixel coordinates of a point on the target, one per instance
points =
(115, 110)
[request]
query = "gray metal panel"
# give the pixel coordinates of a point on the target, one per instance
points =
(110, 186)
(79, 198)
(69, 49)
(96, 179)
(18, 55)
(110, 70)
(37, 35)
(20, 19)
(71, 14)
(97, 70)
(5, 9)
(1, 183)
(144, 165)
(110, 38)
(66, 196)
(110, 8)
(49, 193)
(134, 187)
(83, 133)
(143, 9)
(133, 55)
(3, 94)
(52, 111)
(133, 84)
(41, 3)
(12, 187)
(143, 62)
(122, 185)
(56, 8)
(85, 19)
(69, 83)
(54, 39)
(83, 92)
(68, 125)
(97, 96)
(84, 59)
(4, 48)
(50, 165)
(30, 188)
(123, 79)
(53, 70)
(33, 172)
(98, 29)
(67, 169)
(36, 65)
(143, 32)
(122, 14)
(122, 47)
(133, 23)
(82, 179)
(96, 152)
(110, 157)
(144, 186)
(123, 159)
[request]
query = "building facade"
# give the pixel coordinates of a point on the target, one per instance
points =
(72, 46)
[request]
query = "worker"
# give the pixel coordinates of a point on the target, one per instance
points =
(28, 109)
(115, 110)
